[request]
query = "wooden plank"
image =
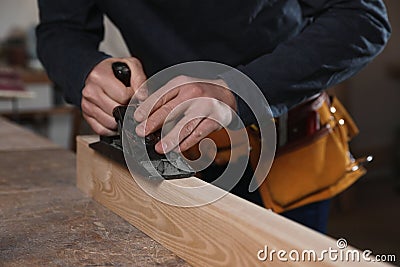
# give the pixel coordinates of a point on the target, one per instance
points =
(14, 138)
(227, 232)
(46, 221)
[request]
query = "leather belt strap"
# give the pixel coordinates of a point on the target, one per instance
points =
(300, 121)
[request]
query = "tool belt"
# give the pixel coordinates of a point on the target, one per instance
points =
(312, 160)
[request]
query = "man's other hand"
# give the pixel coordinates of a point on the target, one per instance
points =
(201, 107)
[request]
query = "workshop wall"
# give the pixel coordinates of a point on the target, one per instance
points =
(24, 14)
(17, 13)
(374, 94)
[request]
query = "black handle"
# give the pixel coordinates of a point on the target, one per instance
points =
(122, 73)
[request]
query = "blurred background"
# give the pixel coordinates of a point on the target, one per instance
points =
(367, 214)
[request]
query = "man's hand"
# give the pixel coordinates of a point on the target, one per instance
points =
(103, 92)
(203, 106)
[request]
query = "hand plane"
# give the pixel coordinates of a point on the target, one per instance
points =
(140, 152)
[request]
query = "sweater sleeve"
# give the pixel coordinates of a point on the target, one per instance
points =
(341, 37)
(68, 37)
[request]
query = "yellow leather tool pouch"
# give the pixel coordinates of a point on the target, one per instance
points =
(315, 168)
(309, 169)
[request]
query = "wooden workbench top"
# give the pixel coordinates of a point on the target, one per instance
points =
(17, 138)
(46, 221)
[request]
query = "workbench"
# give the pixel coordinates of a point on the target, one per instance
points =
(46, 221)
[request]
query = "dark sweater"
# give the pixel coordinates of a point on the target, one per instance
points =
(290, 48)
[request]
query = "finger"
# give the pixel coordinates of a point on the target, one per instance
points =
(102, 117)
(195, 113)
(98, 127)
(138, 77)
(141, 93)
(170, 111)
(187, 87)
(104, 78)
(182, 130)
(167, 92)
(202, 130)
(94, 94)
(152, 103)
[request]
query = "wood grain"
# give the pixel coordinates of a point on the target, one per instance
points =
(227, 232)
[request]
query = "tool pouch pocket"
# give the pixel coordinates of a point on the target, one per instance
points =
(314, 168)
